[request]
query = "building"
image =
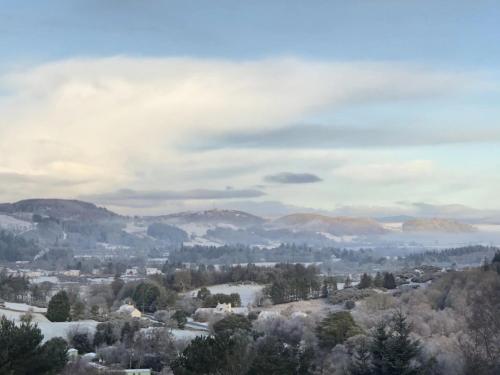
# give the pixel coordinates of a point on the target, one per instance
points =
(222, 309)
(153, 271)
(72, 273)
(130, 311)
(138, 371)
(131, 272)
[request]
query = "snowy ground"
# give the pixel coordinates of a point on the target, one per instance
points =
(16, 316)
(13, 224)
(24, 307)
(42, 279)
(247, 292)
(61, 329)
(184, 334)
(314, 306)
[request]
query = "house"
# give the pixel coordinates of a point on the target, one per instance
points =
(131, 271)
(204, 313)
(138, 371)
(72, 354)
(72, 273)
(153, 271)
(129, 310)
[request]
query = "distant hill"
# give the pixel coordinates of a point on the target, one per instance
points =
(334, 225)
(394, 219)
(214, 217)
(437, 226)
(58, 208)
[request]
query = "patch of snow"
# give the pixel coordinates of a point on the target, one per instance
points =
(184, 334)
(338, 238)
(395, 227)
(16, 225)
(24, 307)
(16, 316)
(42, 279)
(61, 329)
(247, 292)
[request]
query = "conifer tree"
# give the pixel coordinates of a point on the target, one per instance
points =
(389, 281)
(378, 281)
(365, 282)
(59, 307)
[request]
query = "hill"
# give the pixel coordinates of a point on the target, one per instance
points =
(437, 226)
(215, 217)
(338, 226)
(61, 209)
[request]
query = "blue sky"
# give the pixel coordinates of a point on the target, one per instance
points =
(162, 105)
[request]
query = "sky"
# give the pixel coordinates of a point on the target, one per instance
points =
(154, 106)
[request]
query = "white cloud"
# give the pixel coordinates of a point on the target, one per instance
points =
(126, 122)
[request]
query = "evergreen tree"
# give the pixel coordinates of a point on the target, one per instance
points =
(275, 357)
(117, 285)
(145, 296)
(21, 351)
(378, 281)
(203, 293)
(336, 328)
(104, 334)
(403, 348)
(392, 349)
(389, 281)
(81, 342)
(379, 349)
(348, 282)
(181, 317)
(361, 359)
(365, 282)
(59, 307)
(232, 323)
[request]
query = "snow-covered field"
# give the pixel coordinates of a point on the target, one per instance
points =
(42, 279)
(247, 292)
(314, 306)
(183, 334)
(16, 316)
(49, 329)
(395, 226)
(24, 307)
(61, 329)
(13, 224)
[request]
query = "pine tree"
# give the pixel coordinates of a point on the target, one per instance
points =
(378, 281)
(402, 348)
(379, 349)
(348, 282)
(59, 307)
(389, 281)
(392, 349)
(365, 282)
(361, 359)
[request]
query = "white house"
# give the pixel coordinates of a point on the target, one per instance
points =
(153, 271)
(131, 271)
(129, 310)
(204, 313)
(72, 273)
(138, 371)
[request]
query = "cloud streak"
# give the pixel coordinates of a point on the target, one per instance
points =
(125, 195)
(292, 178)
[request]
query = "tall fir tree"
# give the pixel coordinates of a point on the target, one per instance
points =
(389, 281)
(365, 282)
(59, 307)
